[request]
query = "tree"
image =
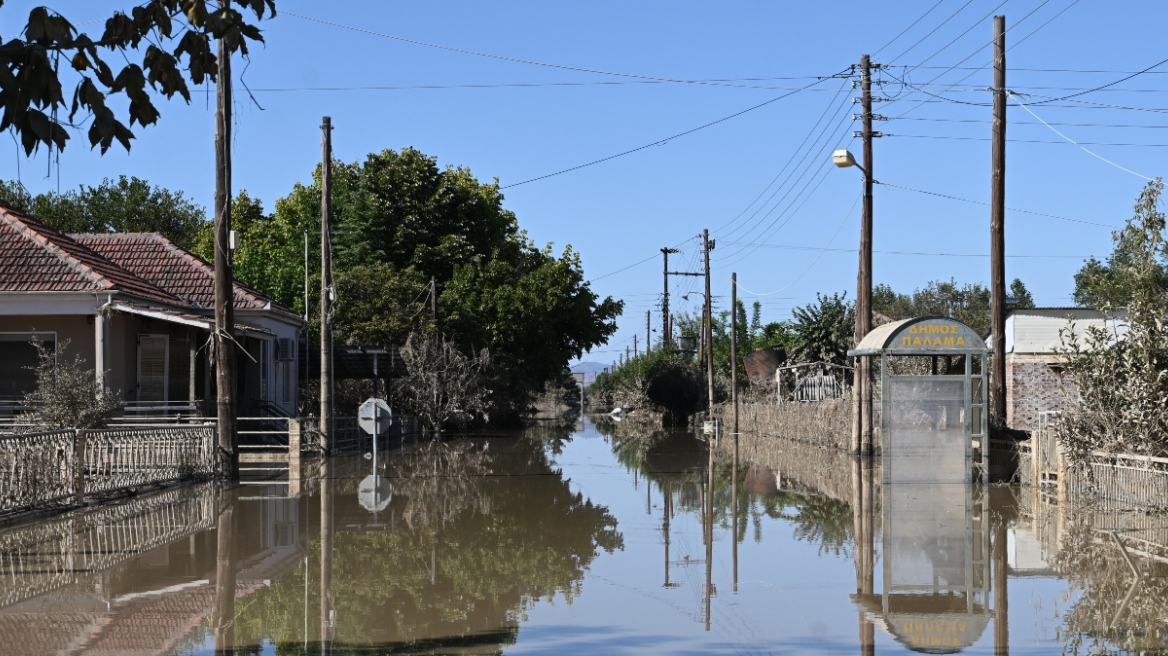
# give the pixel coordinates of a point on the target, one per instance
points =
(826, 329)
(31, 91)
(442, 385)
(125, 205)
(67, 394)
(400, 219)
(1025, 300)
(1139, 258)
(969, 304)
(1122, 379)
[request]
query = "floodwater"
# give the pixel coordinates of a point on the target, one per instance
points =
(580, 539)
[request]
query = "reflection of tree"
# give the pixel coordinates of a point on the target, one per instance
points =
(1100, 620)
(477, 533)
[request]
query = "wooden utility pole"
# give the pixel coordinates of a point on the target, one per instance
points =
(707, 246)
(734, 350)
(635, 354)
(648, 331)
(228, 457)
(667, 337)
(862, 386)
(326, 288)
(434, 298)
(998, 231)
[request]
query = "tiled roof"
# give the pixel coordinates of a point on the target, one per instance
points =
(37, 258)
(153, 257)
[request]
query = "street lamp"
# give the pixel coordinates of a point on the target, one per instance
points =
(861, 382)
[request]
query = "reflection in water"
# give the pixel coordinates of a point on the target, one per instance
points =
(480, 531)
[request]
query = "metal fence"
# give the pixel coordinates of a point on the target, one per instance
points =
(59, 468)
(1120, 480)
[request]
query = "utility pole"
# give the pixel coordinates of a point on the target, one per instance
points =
(708, 246)
(434, 298)
(667, 337)
(326, 288)
(228, 456)
(998, 231)
(635, 354)
(648, 331)
(862, 376)
(734, 353)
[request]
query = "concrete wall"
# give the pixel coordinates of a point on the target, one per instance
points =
(1035, 384)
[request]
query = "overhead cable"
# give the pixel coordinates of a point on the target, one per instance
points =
(1081, 147)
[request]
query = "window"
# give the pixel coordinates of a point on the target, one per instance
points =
(19, 355)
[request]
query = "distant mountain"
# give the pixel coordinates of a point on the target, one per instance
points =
(589, 369)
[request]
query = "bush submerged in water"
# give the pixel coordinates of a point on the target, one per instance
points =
(666, 381)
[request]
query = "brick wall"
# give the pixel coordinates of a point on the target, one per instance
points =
(1035, 384)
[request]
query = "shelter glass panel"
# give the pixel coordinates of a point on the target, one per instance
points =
(927, 430)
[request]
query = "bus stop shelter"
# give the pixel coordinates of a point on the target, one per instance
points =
(934, 423)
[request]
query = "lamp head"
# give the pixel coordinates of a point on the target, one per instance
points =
(843, 158)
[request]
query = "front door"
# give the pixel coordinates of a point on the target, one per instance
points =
(153, 367)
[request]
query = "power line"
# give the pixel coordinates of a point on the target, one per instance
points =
(817, 257)
(1026, 141)
(979, 202)
(905, 31)
(789, 161)
(1023, 256)
(1081, 147)
(815, 148)
(932, 32)
(660, 142)
(486, 55)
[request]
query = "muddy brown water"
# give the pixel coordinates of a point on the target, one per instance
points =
(571, 539)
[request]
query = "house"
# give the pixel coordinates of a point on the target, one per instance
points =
(138, 309)
(267, 331)
(1035, 381)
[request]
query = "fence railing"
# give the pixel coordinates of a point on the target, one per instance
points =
(1127, 480)
(60, 468)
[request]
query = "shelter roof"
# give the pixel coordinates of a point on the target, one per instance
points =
(152, 256)
(923, 335)
(37, 258)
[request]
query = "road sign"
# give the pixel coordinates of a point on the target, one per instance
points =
(374, 416)
(374, 493)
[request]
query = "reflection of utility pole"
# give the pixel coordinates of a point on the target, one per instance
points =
(327, 612)
(1001, 581)
(225, 580)
(709, 526)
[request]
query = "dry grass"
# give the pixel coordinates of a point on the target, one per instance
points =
(824, 424)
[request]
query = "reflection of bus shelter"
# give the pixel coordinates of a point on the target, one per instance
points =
(933, 419)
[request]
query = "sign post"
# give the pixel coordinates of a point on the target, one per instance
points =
(374, 417)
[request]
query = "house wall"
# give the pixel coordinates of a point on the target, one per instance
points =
(1039, 330)
(1035, 384)
(74, 332)
(123, 355)
(282, 328)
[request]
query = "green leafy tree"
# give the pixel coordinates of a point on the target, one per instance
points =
(1122, 379)
(162, 43)
(128, 204)
(969, 304)
(1025, 300)
(1138, 259)
(825, 329)
(400, 219)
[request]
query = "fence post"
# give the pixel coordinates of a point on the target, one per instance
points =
(79, 465)
(1063, 484)
(293, 457)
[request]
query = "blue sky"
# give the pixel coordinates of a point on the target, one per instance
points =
(664, 68)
